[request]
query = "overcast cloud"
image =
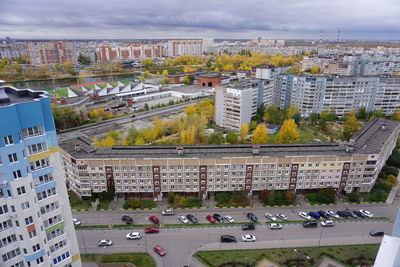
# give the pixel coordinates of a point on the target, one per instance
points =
(357, 19)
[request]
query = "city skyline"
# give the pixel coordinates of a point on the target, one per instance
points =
(189, 19)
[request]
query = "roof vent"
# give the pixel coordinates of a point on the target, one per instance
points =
(179, 149)
(256, 150)
(77, 146)
(349, 148)
(383, 127)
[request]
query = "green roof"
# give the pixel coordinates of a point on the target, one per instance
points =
(63, 92)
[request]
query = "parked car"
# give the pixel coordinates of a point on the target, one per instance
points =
(192, 218)
(275, 226)
(342, 214)
(333, 214)
(310, 224)
(133, 235)
(218, 218)
(282, 216)
(304, 215)
(210, 218)
(168, 212)
(154, 219)
(367, 213)
(104, 243)
(252, 217)
(351, 214)
(248, 226)
(183, 219)
(228, 239)
(229, 219)
(151, 230)
(270, 216)
(359, 214)
(248, 238)
(376, 232)
(323, 214)
(327, 223)
(159, 250)
(76, 222)
(315, 215)
(127, 219)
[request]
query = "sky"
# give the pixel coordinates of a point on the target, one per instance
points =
(225, 19)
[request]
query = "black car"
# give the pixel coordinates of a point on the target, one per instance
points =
(359, 214)
(252, 217)
(376, 232)
(218, 218)
(248, 226)
(192, 218)
(228, 239)
(342, 214)
(127, 219)
(351, 214)
(310, 224)
(323, 214)
(133, 116)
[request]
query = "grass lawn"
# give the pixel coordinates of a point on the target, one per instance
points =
(139, 259)
(353, 255)
(77, 203)
(139, 204)
(103, 204)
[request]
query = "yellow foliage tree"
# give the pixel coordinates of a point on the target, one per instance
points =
(108, 142)
(94, 114)
(164, 73)
(314, 69)
(183, 137)
(147, 74)
(191, 136)
(158, 127)
(244, 131)
(125, 142)
(189, 110)
(140, 78)
(139, 141)
(188, 69)
(351, 125)
(216, 70)
(396, 115)
(229, 67)
(260, 135)
(288, 132)
(290, 111)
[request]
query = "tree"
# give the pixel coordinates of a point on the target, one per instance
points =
(231, 138)
(189, 110)
(362, 114)
(351, 125)
(146, 107)
(166, 80)
(314, 69)
(288, 132)
(294, 70)
(313, 118)
(164, 73)
(260, 135)
(147, 62)
(147, 74)
(392, 179)
(253, 125)
(263, 196)
(158, 127)
(273, 115)
(297, 118)
(69, 67)
(94, 114)
(44, 71)
(139, 141)
(244, 131)
(108, 142)
(84, 60)
(289, 112)
(216, 138)
(396, 115)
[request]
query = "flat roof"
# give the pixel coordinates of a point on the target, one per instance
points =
(10, 95)
(369, 140)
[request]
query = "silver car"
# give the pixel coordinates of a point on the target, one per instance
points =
(270, 216)
(183, 219)
(133, 235)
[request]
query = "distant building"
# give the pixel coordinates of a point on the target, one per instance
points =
(12, 49)
(183, 47)
(52, 52)
(127, 52)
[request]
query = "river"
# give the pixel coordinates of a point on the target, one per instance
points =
(59, 83)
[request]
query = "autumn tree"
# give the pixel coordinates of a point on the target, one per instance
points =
(94, 114)
(147, 62)
(351, 125)
(69, 67)
(396, 115)
(314, 69)
(289, 112)
(260, 135)
(231, 138)
(288, 132)
(244, 131)
(273, 115)
(164, 73)
(216, 138)
(139, 141)
(158, 127)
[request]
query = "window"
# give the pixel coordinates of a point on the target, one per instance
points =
(29, 220)
(37, 148)
(10, 255)
(21, 190)
(31, 132)
(25, 205)
(39, 260)
(45, 194)
(17, 174)
(12, 157)
(8, 140)
(32, 234)
(8, 240)
(40, 164)
(6, 225)
(35, 247)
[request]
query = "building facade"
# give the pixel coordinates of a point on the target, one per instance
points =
(54, 52)
(130, 52)
(206, 169)
(177, 48)
(36, 227)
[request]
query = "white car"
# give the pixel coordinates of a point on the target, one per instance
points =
(304, 215)
(282, 216)
(133, 235)
(168, 212)
(333, 214)
(248, 238)
(270, 216)
(229, 219)
(183, 219)
(76, 222)
(367, 213)
(275, 226)
(104, 243)
(327, 223)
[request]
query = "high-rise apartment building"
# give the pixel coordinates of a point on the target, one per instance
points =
(36, 227)
(177, 48)
(54, 52)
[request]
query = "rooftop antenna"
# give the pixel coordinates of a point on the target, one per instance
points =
(338, 36)
(320, 37)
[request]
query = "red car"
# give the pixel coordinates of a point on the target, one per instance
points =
(159, 250)
(154, 219)
(151, 230)
(210, 218)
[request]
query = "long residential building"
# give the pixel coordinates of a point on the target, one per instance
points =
(36, 227)
(206, 169)
(130, 52)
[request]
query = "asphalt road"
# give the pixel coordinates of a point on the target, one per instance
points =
(141, 217)
(182, 243)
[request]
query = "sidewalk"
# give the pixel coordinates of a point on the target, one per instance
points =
(393, 194)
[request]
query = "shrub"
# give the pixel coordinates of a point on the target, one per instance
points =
(132, 204)
(354, 198)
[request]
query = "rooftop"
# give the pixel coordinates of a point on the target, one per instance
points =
(368, 141)
(10, 95)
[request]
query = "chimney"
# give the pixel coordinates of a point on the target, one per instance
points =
(256, 150)
(77, 146)
(349, 148)
(179, 149)
(383, 128)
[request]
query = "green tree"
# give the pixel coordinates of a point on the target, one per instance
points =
(216, 138)
(146, 107)
(84, 60)
(232, 138)
(396, 115)
(313, 118)
(362, 114)
(273, 115)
